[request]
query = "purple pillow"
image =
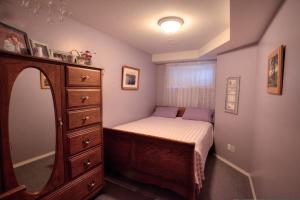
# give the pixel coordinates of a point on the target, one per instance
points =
(165, 111)
(199, 114)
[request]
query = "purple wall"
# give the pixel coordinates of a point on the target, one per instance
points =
(266, 132)
(276, 163)
(236, 129)
(119, 106)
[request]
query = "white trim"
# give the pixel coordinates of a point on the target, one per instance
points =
(25, 162)
(195, 54)
(237, 168)
(252, 187)
(232, 165)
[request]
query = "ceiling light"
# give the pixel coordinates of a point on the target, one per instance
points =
(170, 24)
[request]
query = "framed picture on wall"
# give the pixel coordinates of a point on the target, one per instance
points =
(44, 81)
(275, 71)
(130, 78)
(14, 40)
(232, 95)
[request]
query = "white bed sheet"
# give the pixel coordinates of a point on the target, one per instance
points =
(199, 133)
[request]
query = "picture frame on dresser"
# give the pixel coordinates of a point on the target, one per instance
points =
(39, 49)
(14, 40)
(60, 55)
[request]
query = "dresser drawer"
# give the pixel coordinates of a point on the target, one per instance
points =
(83, 77)
(82, 140)
(85, 161)
(84, 117)
(80, 187)
(83, 97)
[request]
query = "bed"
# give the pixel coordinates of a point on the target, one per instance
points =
(168, 152)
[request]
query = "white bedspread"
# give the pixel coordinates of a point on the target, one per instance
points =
(197, 132)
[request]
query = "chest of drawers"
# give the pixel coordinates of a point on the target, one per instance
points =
(83, 130)
(77, 168)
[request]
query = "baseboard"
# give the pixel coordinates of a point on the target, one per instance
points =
(242, 171)
(232, 165)
(252, 187)
(25, 162)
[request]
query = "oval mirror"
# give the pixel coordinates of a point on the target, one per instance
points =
(32, 129)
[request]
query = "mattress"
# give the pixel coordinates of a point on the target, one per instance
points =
(199, 133)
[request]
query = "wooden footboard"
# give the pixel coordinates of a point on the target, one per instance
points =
(166, 163)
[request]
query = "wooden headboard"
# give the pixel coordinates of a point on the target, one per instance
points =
(180, 111)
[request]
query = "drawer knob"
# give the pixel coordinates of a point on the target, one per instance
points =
(84, 77)
(86, 141)
(87, 163)
(60, 122)
(83, 98)
(91, 185)
(86, 118)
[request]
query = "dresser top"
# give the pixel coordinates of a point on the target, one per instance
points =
(43, 60)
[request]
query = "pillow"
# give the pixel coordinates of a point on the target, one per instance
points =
(165, 111)
(199, 114)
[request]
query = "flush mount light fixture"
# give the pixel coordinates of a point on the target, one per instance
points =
(170, 24)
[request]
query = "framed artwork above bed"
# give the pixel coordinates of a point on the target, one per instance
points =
(130, 78)
(232, 95)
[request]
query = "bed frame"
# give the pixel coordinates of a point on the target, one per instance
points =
(162, 162)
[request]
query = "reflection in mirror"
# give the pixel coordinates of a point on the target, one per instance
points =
(32, 129)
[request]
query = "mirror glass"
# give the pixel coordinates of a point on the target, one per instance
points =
(32, 129)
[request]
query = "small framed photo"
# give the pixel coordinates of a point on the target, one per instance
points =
(14, 40)
(130, 78)
(44, 81)
(61, 55)
(275, 71)
(39, 49)
(232, 95)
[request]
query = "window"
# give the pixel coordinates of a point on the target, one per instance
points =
(187, 84)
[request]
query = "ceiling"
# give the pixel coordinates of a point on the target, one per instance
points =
(135, 21)
(210, 27)
(248, 22)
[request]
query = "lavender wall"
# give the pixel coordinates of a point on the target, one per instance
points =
(267, 127)
(118, 106)
(276, 162)
(236, 129)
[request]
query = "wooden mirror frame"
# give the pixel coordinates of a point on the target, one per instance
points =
(9, 183)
